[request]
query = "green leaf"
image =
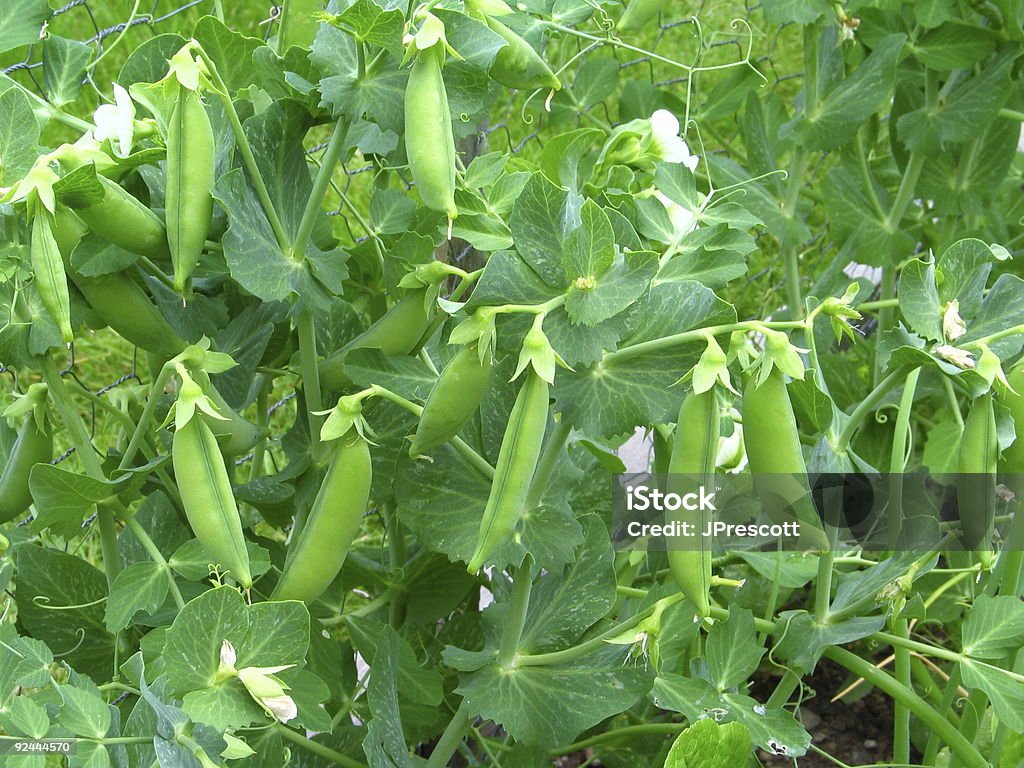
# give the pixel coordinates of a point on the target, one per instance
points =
(541, 221)
(1005, 693)
(567, 602)
(791, 570)
(64, 63)
(805, 640)
(416, 683)
(613, 292)
(954, 45)
(1003, 308)
(391, 212)
(708, 744)
(968, 108)
(711, 255)
(94, 256)
(964, 268)
(384, 744)
(603, 683)
(732, 650)
(590, 248)
(919, 299)
(371, 24)
(141, 586)
(833, 122)
(993, 626)
(83, 713)
(231, 51)
(799, 11)
(27, 717)
(19, 135)
(21, 22)
(774, 730)
(49, 579)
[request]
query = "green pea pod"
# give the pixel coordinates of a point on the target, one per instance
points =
(118, 300)
(976, 480)
(639, 14)
(429, 140)
(124, 221)
(235, 434)
(48, 270)
(518, 65)
(693, 459)
(453, 400)
(396, 333)
(316, 556)
(34, 445)
(776, 459)
(208, 499)
(517, 461)
(190, 177)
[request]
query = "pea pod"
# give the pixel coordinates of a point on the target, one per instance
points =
(776, 459)
(190, 177)
(639, 14)
(517, 462)
(1011, 464)
(118, 300)
(316, 556)
(208, 499)
(453, 400)
(34, 445)
(235, 434)
(396, 333)
(429, 139)
(517, 64)
(48, 270)
(976, 481)
(124, 221)
(693, 459)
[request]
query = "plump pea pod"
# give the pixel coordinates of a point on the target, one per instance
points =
(693, 459)
(517, 461)
(124, 221)
(429, 140)
(517, 64)
(453, 400)
(315, 557)
(190, 177)
(118, 300)
(1011, 463)
(235, 434)
(396, 333)
(640, 13)
(208, 499)
(976, 481)
(48, 269)
(32, 446)
(776, 460)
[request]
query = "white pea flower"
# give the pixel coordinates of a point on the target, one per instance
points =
(117, 122)
(953, 326)
(281, 707)
(961, 358)
(666, 142)
(227, 657)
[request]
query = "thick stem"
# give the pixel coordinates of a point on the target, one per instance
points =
(318, 749)
(148, 414)
(311, 380)
(320, 186)
(451, 738)
(522, 584)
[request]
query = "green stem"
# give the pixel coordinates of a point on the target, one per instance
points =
(867, 405)
(901, 715)
(90, 462)
(317, 749)
(918, 706)
(321, 184)
(148, 414)
(522, 584)
(266, 202)
(791, 257)
(451, 738)
(155, 555)
(311, 381)
(577, 651)
(697, 334)
(789, 683)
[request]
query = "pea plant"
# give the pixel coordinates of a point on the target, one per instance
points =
(321, 338)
